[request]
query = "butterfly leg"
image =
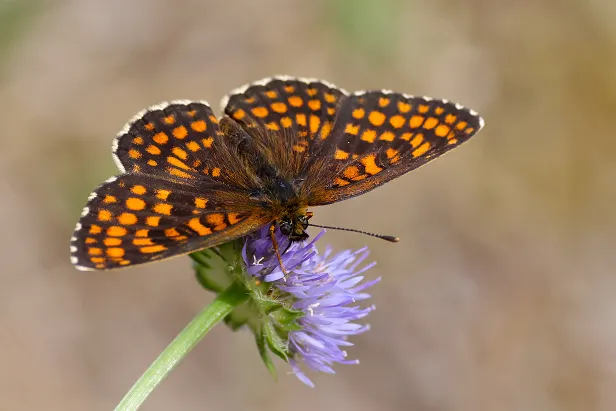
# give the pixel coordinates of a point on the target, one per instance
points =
(272, 231)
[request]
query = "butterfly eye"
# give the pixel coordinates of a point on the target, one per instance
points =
(285, 227)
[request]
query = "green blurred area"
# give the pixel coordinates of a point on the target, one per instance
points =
(500, 294)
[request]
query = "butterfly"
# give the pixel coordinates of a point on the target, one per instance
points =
(190, 181)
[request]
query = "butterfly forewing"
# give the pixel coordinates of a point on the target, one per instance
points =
(379, 136)
(178, 140)
(134, 219)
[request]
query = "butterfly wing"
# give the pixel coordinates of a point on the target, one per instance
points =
(183, 190)
(134, 219)
(378, 136)
(287, 119)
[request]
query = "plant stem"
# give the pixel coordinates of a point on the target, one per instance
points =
(188, 338)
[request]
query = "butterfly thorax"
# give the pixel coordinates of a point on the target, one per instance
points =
(281, 195)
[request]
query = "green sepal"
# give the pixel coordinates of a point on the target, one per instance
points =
(265, 354)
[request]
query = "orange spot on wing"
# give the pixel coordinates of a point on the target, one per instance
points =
(369, 136)
(169, 119)
(95, 251)
(452, 141)
(369, 163)
(142, 241)
(430, 123)
(439, 110)
(404, 107)
(387, 136)
(160, 138)
(358, 113)
(406, 136)
(104, 215)
(330, 98)
(163, 194)
(112, 241)
(314, 104)
(91, 240)
(115, 252)
(193, 146)
(153, 249)
(233, 218)
(286, 122)
(199, 126)
(289, 89)
(152, 163)
(260, 112)
(153, 150)
(132, 153)
(421, 150)
(109, 199)
(340, 182)
(215, 219)
(341, 154)
(149, 126)
(138, 140)
(134, 203)
(95, 229)
(178, 173)
(174, 161)
(207, 142)
(127, 218)
(215, 172)
(461, 125)
(376, 118)
(331, 111)
(351, 172)
(271, 94)
(301, 119)
(239, 114)
(315, 122)
(296, 101)
(163, 208)
(312, 92)
(469, 130)
(171, 232)
(325, 130)
(351, 129)
(423, 108)
(450, 119)
(98, 260)
(397, 121)
(279, 107)
(141, 232)
(383, 102)
(199, 228)
(116, 231)
(416, 121)
(180, 132)
(272, 126)
(180, 153)
(200, 202)
(441, 130)
(152, 220)
(417, 140)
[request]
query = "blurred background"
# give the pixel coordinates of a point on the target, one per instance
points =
(501, 294)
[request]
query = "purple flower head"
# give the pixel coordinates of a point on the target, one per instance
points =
(325, 288)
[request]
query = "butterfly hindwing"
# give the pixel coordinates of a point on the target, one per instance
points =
(177, 140)
(133, 219)
(378, 136)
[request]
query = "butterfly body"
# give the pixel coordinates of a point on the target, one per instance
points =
(189, 181)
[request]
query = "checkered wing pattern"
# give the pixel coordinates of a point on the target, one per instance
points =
(134, 219)
(378, 136)
(288, 119)
(180, 140)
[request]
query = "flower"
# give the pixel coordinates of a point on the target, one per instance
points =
(323, 289)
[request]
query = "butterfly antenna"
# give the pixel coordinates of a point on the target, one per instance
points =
(389, 238)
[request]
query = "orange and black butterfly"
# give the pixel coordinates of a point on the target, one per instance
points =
(189, 181)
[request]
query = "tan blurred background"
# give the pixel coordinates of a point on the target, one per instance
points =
(502, 294)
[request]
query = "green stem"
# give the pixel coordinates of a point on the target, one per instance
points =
(222, 306)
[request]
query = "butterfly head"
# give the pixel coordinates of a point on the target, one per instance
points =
(294, 225)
